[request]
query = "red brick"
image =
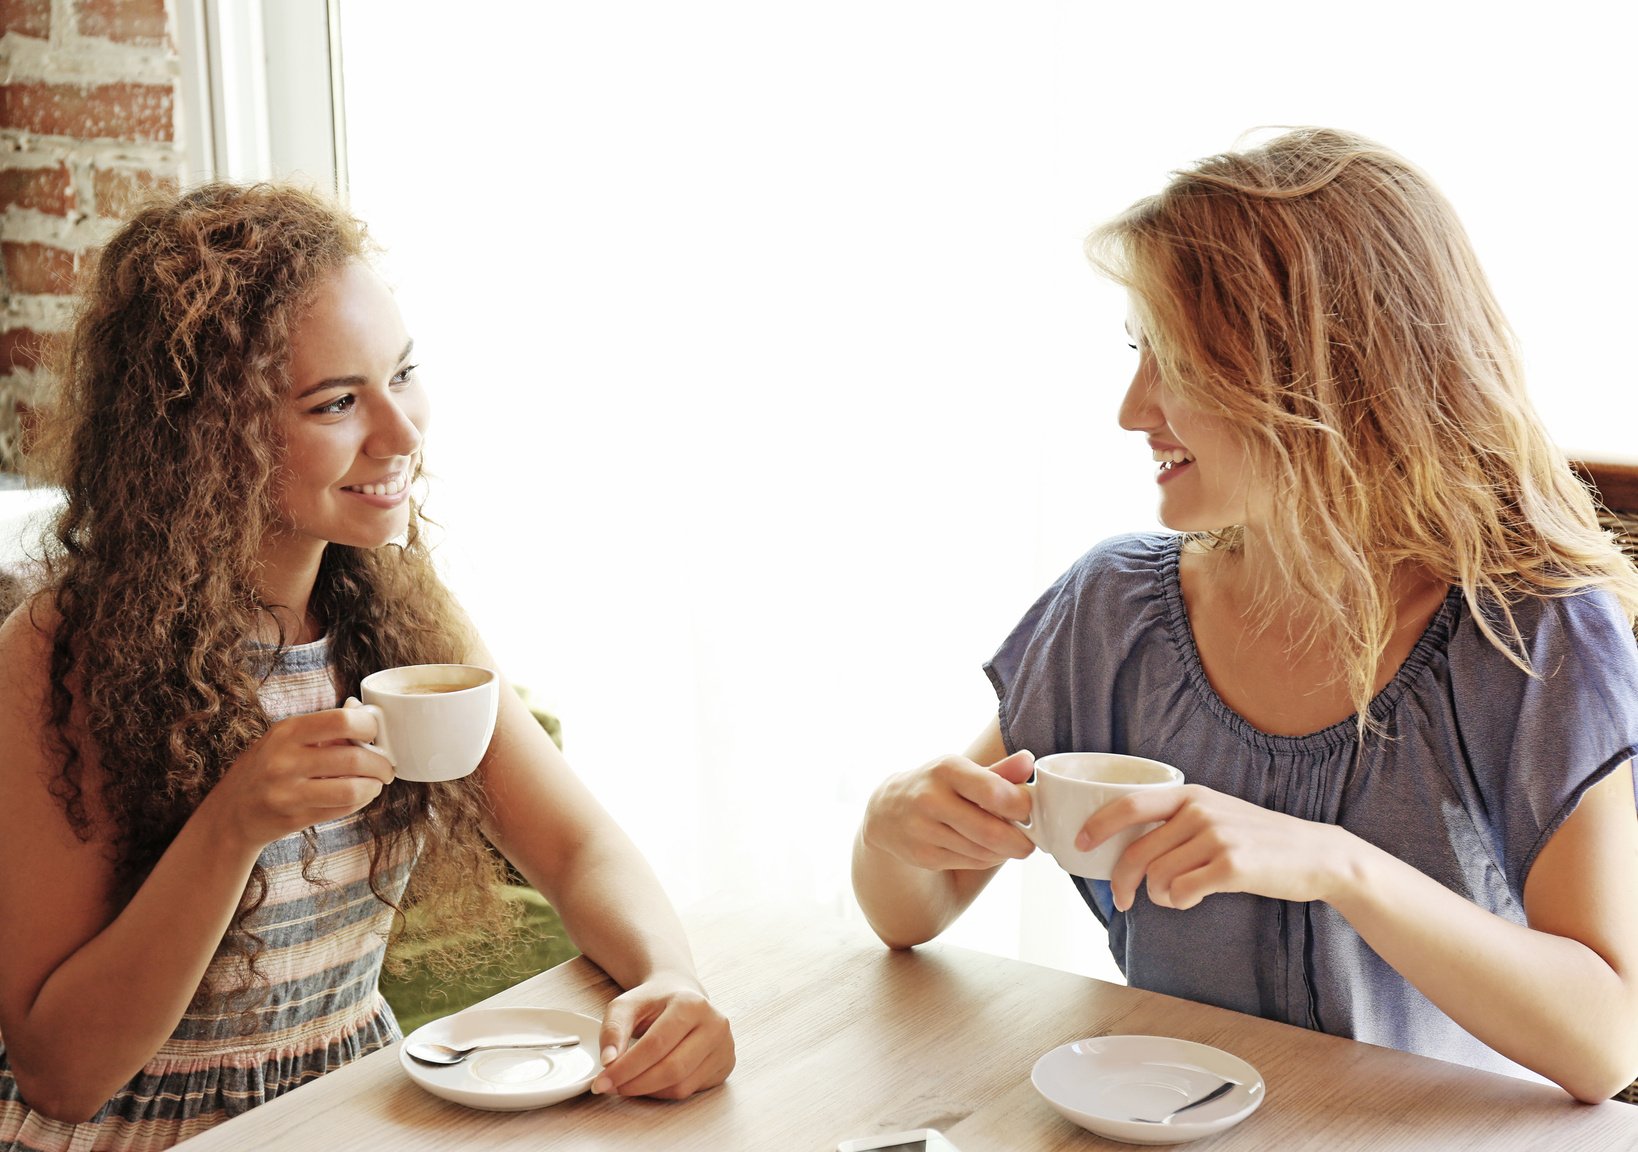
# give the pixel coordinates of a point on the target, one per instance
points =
(116, 189)
(42, 189)
(127, 111)
(20, 348)
(26, 17)
(128, 21)
(38, 269)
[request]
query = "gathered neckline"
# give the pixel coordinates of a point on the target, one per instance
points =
(271, 659)
(306, 646)
(1433, 640)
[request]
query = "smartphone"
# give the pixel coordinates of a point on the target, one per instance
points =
(916, 1140)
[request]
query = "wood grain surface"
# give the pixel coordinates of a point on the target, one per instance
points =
(838, 1038)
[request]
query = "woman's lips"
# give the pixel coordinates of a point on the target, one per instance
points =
(1171, 461)
(389, 492)
(390, 486)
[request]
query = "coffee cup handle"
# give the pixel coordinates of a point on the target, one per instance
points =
(1029, 829)
(380, 746)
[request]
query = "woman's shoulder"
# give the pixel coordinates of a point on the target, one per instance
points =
(1586, 626)
(1132, 555)
(1578, 680)
(1588, 608)
(26, 640)
(1121, 580)
(1587, 634)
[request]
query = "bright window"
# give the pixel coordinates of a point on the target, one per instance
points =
(770, 384)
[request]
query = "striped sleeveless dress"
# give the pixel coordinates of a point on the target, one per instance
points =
(321, 956)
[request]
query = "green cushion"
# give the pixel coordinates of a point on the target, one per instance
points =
(421, 995)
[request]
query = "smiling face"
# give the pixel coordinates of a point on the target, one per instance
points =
(353, 419)
(1204, 470)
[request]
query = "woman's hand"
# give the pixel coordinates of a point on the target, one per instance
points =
(663, 1038)
(952, 813)
(1211, 842)
(303, 771)
(931, 839)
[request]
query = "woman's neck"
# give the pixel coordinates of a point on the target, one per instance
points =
(1271, 653)
(1250, 578)
(284, 583)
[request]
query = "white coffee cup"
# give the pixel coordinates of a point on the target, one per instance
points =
(433, 721)
(1070, 786)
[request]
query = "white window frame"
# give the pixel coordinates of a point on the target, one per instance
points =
(261, 91)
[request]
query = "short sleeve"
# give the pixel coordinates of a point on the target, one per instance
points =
(1538, 742)
(1064, 675)
(1033, 662)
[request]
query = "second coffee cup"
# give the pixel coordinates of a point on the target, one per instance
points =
(433, 721)
(1070, 786)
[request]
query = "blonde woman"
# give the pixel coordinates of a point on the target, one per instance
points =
(1387, 645)
(198, 869)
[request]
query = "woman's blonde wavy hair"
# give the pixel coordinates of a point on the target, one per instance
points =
(165, 438)
(1319, 295)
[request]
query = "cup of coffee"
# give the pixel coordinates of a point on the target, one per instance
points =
(433, 721)
(1070, 786)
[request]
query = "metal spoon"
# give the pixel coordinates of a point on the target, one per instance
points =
(450, 1054)
(1215, 1094)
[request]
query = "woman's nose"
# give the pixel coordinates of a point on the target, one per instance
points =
(1138, 410)
(397, 431)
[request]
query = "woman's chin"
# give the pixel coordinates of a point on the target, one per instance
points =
(1195, 524)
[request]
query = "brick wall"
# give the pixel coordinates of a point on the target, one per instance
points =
(88, 116)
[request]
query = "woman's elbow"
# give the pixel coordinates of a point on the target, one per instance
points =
(901, 942)
(898, 931)
(58, 1098)
(1595, 1091)
(1603, 1075)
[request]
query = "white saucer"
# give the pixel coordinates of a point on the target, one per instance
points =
(507, 1080)
(1101, 1083)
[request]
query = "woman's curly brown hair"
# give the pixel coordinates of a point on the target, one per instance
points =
(164, 438)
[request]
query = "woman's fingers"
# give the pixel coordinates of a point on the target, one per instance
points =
(1150, 806)
(948, 814)
(1209, 842)
(303, 770)
(953, 847)
(1159, 865)
(663, 1060)
(982, 806)
(340, 793)
(669, 1045)
(986, 788)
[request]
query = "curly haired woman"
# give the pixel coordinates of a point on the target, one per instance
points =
(1388, 646)
(198, 868)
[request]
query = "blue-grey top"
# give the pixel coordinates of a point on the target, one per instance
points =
(1481, 766)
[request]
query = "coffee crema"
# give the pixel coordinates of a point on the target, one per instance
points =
(428, 689)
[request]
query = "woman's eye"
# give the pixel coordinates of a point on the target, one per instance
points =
(336, 407)
(405, 374)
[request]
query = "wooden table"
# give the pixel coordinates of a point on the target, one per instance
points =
(838, 1037)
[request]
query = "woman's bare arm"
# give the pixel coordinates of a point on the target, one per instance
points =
(934, 837)
(1559, 996)
(666, 1037)
(89, 993)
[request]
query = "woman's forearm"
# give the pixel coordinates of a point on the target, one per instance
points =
(616, 912)
(108, 1007)
(916, 818)
(1547, 1002)
(906, 905)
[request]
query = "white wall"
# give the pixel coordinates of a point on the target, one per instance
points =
(770, 384)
